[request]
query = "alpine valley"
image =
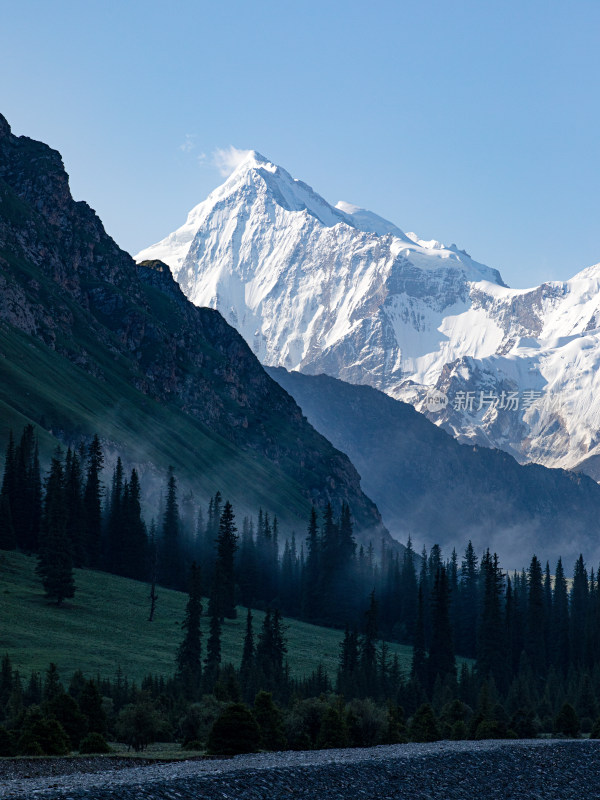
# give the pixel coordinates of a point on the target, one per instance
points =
(91, 343)
(341, 291)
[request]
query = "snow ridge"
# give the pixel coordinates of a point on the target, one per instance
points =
(338, 289)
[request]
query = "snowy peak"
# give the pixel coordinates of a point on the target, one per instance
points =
(258, 187)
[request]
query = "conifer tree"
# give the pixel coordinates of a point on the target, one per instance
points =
(248, 567)
(171, 546)
(491, 638)
(271, 649)
(368, 651)
(75, 508)
(347, 675)
(548, 644)
(189, 655)
(134, 541)
(441, 660)
(347, 542)
(310, 582)
(114, 556)
(418, 668)
(55, 565)
(408, 592)
(535, 646)
(578, 612)
(560, 620)
(224, 581)
(92, 501)
(468, 603)
(26, 497)
(210, 537)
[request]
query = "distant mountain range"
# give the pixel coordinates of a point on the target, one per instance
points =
(436, 490)
(338, 290)
(90, 342)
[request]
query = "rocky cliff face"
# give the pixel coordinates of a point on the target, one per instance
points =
(66, 283)
(318, 288)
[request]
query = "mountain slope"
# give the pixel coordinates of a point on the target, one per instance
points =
(336, 289)
(427, 484)
(92, 342)
(106, 626)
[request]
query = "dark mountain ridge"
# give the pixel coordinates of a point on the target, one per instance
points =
(90, 341)
(440, 491)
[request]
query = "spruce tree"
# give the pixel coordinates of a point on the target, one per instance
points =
(55, 565)
(114, 557)
(134, 541)
(579, 613)
(368, 649)
(535, 646)
(224, 567)
(408, 593)
(491, 638)
(171, 548)
(468, 604)
(441, 660)
(189, 655)
(418, 669)
(270, 650)
(347, 675)
(310, 578)
(92, 501)
(248, 567)
(75, 507)
(26, 498)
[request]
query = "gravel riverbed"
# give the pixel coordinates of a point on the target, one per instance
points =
(516, 770)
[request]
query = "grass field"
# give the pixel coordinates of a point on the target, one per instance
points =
(37, 383)
(106, 626)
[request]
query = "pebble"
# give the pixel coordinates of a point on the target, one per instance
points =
(538, 769)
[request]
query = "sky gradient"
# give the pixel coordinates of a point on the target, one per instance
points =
(469, 122)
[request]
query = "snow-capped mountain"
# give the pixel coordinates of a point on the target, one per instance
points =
(337, 289)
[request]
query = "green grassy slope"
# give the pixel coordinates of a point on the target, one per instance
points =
(38, 385)
(106, 625)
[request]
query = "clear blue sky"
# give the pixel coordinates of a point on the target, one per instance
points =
(472, 122)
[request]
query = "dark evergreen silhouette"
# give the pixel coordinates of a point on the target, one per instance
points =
(224, 578)
(92, 500)
(441, 663)
(55, 564)
(189, 655)
(170, 561)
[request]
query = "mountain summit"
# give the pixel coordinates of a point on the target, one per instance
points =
(339, 290)
(306, 282)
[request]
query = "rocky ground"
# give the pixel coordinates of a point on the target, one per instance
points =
(527, 770)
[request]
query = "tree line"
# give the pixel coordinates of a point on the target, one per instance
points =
(532, 639)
